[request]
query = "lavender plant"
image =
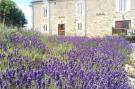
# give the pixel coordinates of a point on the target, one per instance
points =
(92, 63)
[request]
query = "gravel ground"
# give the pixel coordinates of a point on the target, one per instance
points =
(132, 80)
(133, 44)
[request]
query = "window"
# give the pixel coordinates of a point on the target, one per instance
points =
(123, 24)
(79, 26)
(79, 8)
(45, 12)
(122, 5)
(45, 27)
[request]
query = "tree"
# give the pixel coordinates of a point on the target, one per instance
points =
(10, 14)
(16, 18)
(5, 7)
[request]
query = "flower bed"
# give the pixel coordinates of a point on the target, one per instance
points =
(32, 62)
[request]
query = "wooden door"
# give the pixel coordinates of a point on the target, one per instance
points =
(61, 29)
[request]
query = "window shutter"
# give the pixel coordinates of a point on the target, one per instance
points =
(117, 5)
(128, 5)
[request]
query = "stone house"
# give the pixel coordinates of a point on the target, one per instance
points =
(82, 17)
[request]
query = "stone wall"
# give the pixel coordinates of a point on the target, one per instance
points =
(98, 19)
(38, 17)
(62, 12)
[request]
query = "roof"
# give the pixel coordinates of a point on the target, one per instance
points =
(34, 1)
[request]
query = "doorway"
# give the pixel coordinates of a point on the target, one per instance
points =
(61, 29)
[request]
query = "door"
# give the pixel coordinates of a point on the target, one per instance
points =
(61, 29)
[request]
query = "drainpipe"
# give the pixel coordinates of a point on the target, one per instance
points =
(85, 17)
(32, 8)
(75, 1)
(123, 16)
(49, 7)
(33, 18)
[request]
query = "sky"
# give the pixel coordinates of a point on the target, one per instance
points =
(24, 6)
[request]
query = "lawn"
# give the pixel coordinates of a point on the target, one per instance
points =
(33, 61)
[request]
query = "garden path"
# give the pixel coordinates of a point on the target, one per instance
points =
(132, 68)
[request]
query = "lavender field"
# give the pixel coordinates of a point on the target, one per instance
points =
(31, 61)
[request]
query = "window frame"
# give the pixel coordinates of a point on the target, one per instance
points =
(123, 5)
(79, 26)
(45, 12)
(80, 8)
(45, 27)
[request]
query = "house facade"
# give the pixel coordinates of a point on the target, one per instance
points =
(82, 17)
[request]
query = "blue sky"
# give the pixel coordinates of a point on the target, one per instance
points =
(24, 5)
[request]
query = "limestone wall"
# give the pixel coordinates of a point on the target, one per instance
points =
(38, 17)
(98, 18)
(62, 12)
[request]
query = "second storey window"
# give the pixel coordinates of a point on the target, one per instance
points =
(45, 12)
(79, 8)
(122, 5)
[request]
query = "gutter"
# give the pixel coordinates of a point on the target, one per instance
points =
(50, 30)
(32, 16)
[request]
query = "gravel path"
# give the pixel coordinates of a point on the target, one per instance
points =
(132, 80)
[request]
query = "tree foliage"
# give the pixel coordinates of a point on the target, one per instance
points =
(10, 14)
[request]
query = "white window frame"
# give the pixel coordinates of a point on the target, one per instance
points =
(80, 8)
(79, 26)
(123, 5)
(45, 12)
(45, 27)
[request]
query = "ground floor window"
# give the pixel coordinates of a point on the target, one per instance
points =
(123, 24)
(122, 27)
(79, 26)
(45, 27)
